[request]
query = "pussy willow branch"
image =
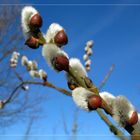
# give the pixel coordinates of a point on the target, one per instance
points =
(94, 89)
(81, 82)
(13, 93)
(115, 130)
(48, 84)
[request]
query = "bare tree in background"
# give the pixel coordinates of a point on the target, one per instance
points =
(11, 39)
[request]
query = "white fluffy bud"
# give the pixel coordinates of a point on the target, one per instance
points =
(34, 74)
(29, 65)
(122, 110)
(13, 65)
(24, 61)
(88, 63)
(34, 65)
(78, 68)
(15, 55)
(85, 57)
(50, 51)
(26, 14)
(89, 52)
(42, 74)
(54, 28)
(87, 68)
(14, 59)
(80, 96)
(108, 97)
(90, 43)
(86, 48)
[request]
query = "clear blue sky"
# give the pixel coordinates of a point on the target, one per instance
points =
(116, 32)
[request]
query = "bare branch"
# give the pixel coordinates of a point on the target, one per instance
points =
(106, 77)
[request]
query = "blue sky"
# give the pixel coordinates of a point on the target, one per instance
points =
(115, 30)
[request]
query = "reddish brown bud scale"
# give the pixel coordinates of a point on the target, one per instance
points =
(134, 118)
(71, 86)
(36, 21)
(32, 42)
(61, 62)
(94, 102)
(61, 38)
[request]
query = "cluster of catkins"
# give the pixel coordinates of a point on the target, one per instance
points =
(31, 24)
(13, 64)
(55, 37)
(88, 53)
(14, 59)
(123, 111)
(32, 67)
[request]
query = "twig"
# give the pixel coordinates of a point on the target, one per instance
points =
(82, 83)
(75, 125)
(65, 124)
(37, 83)
(106, 77)
(13, 93)
(29, 127)
(113, 128)
(48, 84)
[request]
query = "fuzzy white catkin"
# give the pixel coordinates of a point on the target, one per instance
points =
(89, 43)
(88, 62)
(50, 51)
(108, 97)
(42, 74)
(13, 65)
(54, 28)
(87, 68)
(34, 65)
(15, 55)
(80, 96)
(77, 66)
(86, 48)
(89, 51)
(26, 14)
(14, 61)
(24, 60)
(29, 65)
(85, 57)
(122, 110)
(34, 74)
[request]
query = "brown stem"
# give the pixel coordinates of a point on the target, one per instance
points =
(48, 84)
